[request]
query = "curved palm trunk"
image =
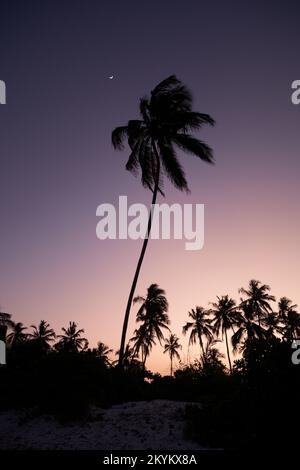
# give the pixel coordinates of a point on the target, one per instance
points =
(138, 268)
(171, 366)
(228, 351)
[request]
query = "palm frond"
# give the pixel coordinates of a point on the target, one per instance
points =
(195, 146)
(119, 134)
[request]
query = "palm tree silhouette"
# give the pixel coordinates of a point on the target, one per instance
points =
(43, 334)
(248, 329)
(17, 335)
(171, 347)
(291, 325)
(272, 323)
(225, 318)
(102, 352)
(153, 316)
(200, 327)
(5, 322)
(212, 354)
(259, 298)
(71, 340)
(129, 359)
(143, 341)
(167, 120)
(284, 306)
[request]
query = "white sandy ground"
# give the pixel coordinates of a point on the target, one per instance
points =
(150, 425)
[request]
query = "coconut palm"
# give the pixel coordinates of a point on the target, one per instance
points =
(17, 335)
(284, 306)
(166, 122)
(248, 329)
(143, 341)
(213, 357)
(272, 323)
(225, 318)
(102, 352)
(259, 298)
(153, 318)
(71, 340)
(130, 357)
(171, 347)
(291, 325)
(199, 327)
(43, 334)
(5, 322)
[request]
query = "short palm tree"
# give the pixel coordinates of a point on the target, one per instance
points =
(143, 340)
(225, 318)
(166, 121)
(153, 318)
(199, 327)
(285, 305)
(102, 352)
(213, 357)
(171, 347)
(272, 323)
(43, 334)
(17, 335)
(130, 357)
(71, 340)
(259, 298)
(5, 322)
(291, 325)
(248, 329)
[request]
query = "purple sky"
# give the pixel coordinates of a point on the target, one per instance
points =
(57, 163)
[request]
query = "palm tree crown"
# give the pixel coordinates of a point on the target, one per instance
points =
(43, 334)
(285, 305)
(167, 119)
(17, 335)
(102, 352)
(225, 318)
(171, 347)
(199, 327)
(71, 340)
(248, 329)
(259, 298)
(153, 318)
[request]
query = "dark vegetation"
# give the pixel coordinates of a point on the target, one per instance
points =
(254, 404)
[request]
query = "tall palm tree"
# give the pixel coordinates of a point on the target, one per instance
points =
(17, 335)
(71, 340)
(43, 334)
(200, 327)
(153, 318)
(171, 347)
(259, 298)
(166, 121)
(225, 318)
(248, 329)
(102, 352)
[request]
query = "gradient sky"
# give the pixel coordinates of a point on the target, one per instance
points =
(57, 163)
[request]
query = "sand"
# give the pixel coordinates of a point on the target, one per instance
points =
(150, 425)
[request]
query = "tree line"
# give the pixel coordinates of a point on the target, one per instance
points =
(238, 323)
